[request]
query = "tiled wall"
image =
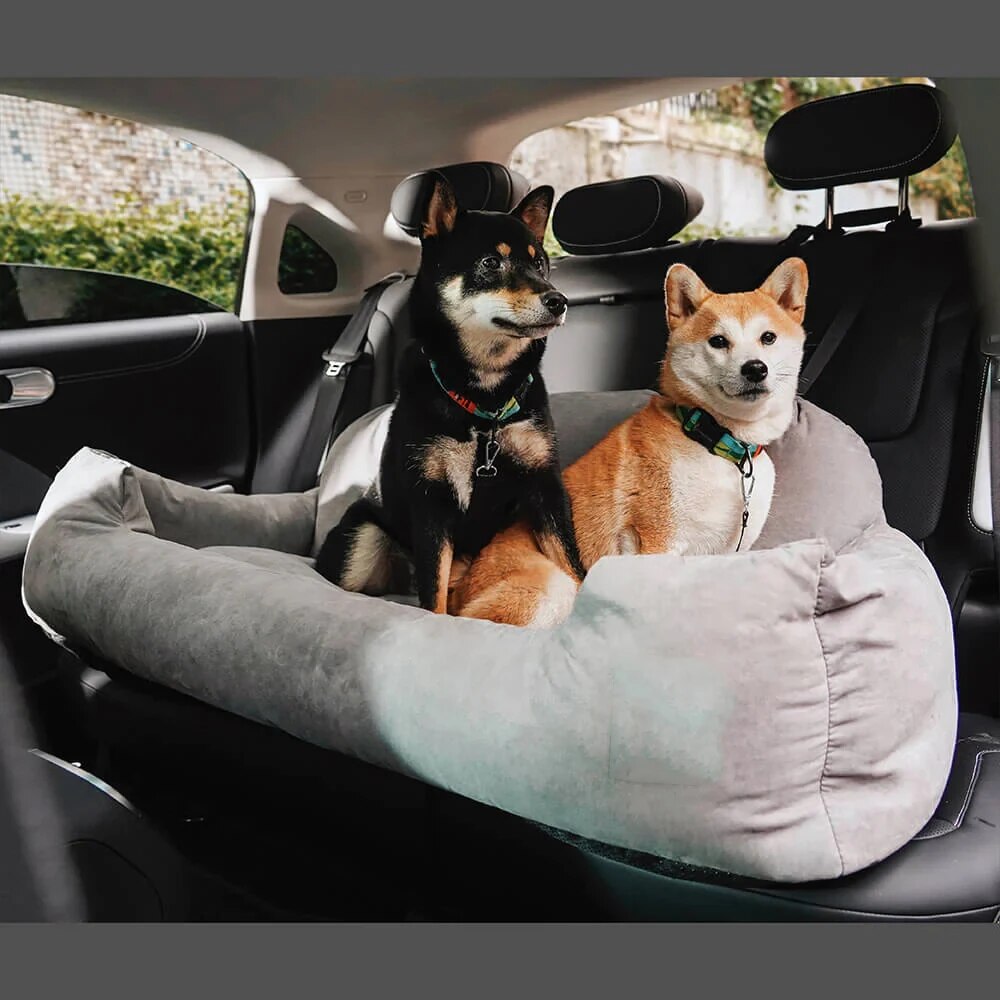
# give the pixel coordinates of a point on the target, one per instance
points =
(87, 160)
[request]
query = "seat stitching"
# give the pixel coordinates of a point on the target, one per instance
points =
(829, 715)
(974, 777)
(972, 785)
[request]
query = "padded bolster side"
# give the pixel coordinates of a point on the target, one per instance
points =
(868, 135)
(176, 512)
(631, 214)
(478, 186)
(631, 723)
(199, 518)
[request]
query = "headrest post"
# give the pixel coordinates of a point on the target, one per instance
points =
(828, 220)
(904, 196)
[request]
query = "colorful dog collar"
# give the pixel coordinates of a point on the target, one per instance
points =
(703, 428)
(508, 410)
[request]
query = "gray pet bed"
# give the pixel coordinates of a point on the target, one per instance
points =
(786, 713)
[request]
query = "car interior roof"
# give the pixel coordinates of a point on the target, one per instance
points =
(312, 127)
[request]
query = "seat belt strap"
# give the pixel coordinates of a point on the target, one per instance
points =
(835, 333)
(338, 361)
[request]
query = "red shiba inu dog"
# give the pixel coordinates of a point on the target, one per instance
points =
(687, 474)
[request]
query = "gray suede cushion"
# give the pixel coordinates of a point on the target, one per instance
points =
(786, 713)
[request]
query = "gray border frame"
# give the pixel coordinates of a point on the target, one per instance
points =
(369, 39)
(557, 38)
(475, 962)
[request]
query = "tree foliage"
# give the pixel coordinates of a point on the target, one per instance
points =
(198, 251)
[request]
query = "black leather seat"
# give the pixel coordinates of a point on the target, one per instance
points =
(950, 871)
(908, 376)
(348, 829)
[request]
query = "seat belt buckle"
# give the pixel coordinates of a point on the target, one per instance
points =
(338, 363)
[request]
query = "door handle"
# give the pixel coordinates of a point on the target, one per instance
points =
(25, 387)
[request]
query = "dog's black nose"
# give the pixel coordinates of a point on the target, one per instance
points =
(754, 371)
(555, 302)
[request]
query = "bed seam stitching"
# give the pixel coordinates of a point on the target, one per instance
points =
(829, 712)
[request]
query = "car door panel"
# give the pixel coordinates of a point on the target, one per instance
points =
(171, 395)
(87, 350)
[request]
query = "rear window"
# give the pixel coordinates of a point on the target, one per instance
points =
(714, 139)
(304, 267)
(93, 193)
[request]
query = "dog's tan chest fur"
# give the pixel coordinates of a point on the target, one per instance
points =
(445, 459)
(526, 444)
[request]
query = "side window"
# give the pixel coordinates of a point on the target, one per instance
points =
(304, 267)
(31, 295)
(714, 139)
(112, 219)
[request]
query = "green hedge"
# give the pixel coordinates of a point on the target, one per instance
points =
(200, 252)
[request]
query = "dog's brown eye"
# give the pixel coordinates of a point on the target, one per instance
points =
(491, 263)
(718, 341)
(768, 338)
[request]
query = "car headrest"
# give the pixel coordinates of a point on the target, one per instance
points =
(869, 135)
(631, 214)
(478, 186)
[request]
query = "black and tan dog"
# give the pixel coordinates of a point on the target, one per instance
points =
(470, 445)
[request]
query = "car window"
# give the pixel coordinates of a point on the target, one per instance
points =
(304, 267)
(155, 221)
(31, 295)
(714, 139)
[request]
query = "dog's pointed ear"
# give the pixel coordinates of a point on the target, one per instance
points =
(534, 210)
(684, 292)
(442, 209)
(787, 284)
